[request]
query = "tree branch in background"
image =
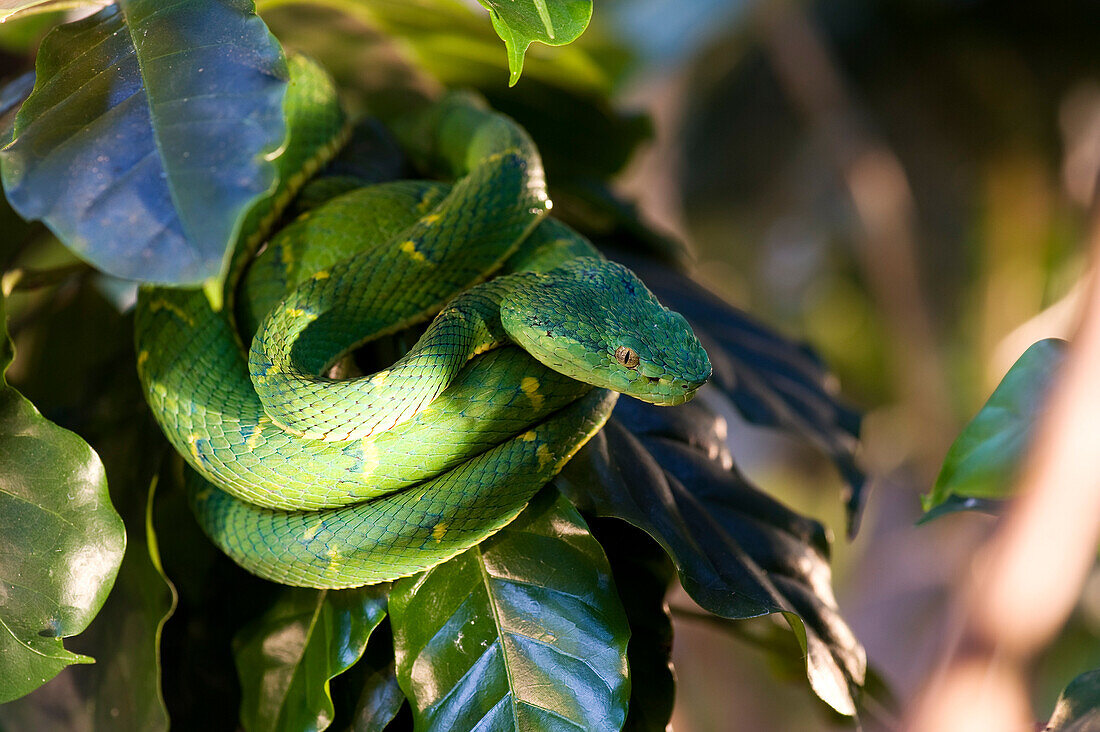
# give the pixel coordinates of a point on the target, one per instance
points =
(883, 201)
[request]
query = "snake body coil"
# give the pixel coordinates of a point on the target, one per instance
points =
(310, 480)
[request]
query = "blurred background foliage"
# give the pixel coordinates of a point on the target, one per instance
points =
(903, 184)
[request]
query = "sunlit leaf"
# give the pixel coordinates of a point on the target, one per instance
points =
(61, 541)
(980, 468)
(1078, 708)
(286, 659)
(148, 133)
(524, 631)
(521, 22)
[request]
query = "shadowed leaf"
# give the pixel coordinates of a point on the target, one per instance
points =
(739, 553)
(286, 658)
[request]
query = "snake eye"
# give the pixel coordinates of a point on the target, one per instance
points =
(626, 357)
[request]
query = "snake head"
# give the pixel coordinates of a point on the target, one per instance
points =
(595, 321)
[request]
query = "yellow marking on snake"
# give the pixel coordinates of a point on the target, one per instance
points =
(254, 439)
(545, 458)
(528, 436)
(192, 442)
(430, 219)
(295, 312)
(287, 255)
(370, 454)
(530, 386)
(439, 531)
(174, 309)
(321, 275)
(333, 555)
(312, 531)
(380, 377)
(142, 358)
(409, 247)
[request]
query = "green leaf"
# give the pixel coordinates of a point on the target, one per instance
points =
(286, 659)
(61, 541)
(368, 694)
(983, 460)
(524, 631)
(738, 552)
(148, 135)
(521, 22)
(643, 574)
(772, 381)
(1078, 708)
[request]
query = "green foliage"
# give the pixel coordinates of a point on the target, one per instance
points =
(524, 631)
(980, 468)
(148, 152)
(143, 101)
(1078, 708)
(61, 544)
(286, 658)
(553, 22)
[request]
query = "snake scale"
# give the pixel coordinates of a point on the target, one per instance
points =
(307, 479)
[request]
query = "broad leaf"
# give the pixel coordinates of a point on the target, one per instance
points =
(1078, 707)
(739, 553)
(980, 468)
(149, 134)
(521, 22)
(524, 631)
(61, 541)
(83, 376)
(286, 659)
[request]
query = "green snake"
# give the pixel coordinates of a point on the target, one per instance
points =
(312, 480)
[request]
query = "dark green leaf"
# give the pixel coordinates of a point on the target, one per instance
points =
(61, 541)
(520, 22)
(524, 631)
(981, 465)
(1078, 708)
(772, 381)
(368, 697)
(739, 553)
(148, 135)
(642, 574)
(82, 375)
(286, 659)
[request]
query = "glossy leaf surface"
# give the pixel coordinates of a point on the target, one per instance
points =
(521, 22)
(61, 541)
(981, 465)
(146, 137)
(524, 631)
(738, 552)
(286, 659)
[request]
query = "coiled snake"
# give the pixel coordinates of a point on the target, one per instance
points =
(314, 481)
